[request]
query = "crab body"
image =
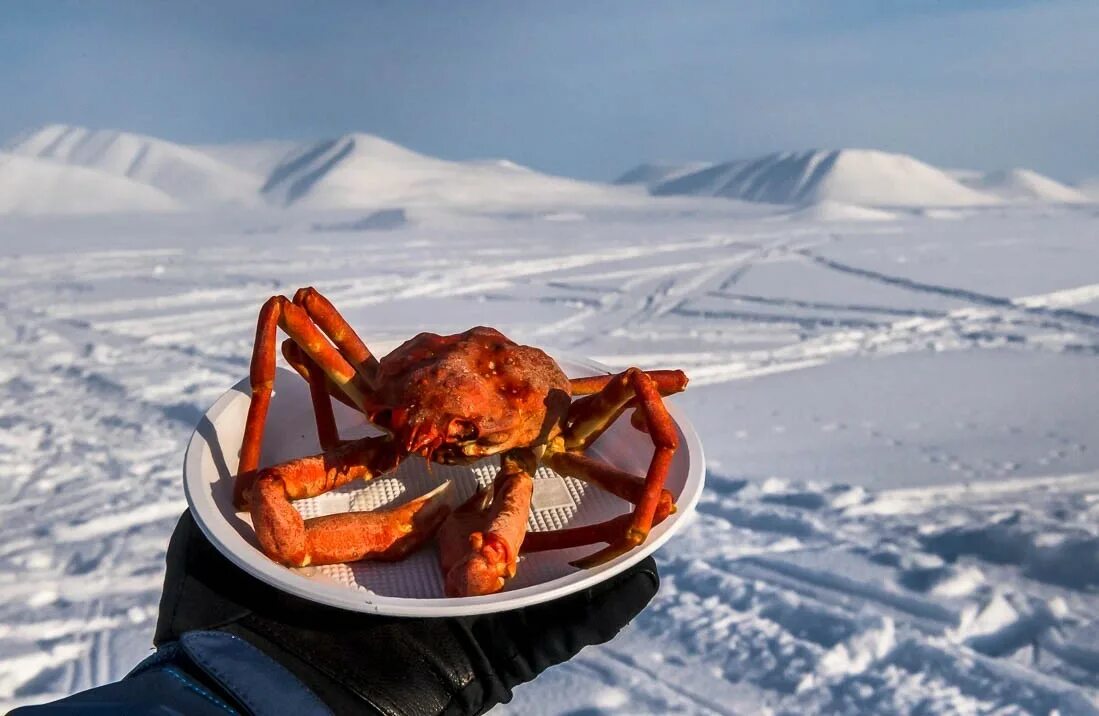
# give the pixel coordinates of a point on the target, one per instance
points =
(457, 399)
(453, 400)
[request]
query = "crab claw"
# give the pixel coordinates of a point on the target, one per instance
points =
(385, 535)
(419, 437)
(479, 543)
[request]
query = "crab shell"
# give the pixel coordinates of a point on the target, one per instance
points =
(456, 399)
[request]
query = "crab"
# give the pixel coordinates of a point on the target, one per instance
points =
(454, 400)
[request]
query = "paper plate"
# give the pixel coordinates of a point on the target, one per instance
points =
(414, 586)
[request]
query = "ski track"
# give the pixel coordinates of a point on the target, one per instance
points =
(780, 597)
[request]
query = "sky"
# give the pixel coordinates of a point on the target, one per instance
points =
(585, 89)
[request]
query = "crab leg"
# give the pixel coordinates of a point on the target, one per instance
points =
(479, 544)
(596, 472)
(668, 382)
(327, 433)
(385, 534)
(276, 313)
(613, 480)
(300, 327)
(297, 360)
(325, 315)
(262, 379)
(591, 419)
(608, 532)
(592, 415)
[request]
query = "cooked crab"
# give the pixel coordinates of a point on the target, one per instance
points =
(453, 400)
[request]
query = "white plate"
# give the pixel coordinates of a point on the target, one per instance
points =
(414, 586)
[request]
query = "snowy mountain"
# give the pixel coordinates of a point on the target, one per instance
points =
(353, 171)
(258, 158)
(1023, 185)
(360, 170)
(334, 171)
(188, 175)
(852, 176)
(654, 173)
(131, 172)
(29, 185)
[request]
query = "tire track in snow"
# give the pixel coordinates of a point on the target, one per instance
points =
(993, 320)
(736, 598)
(1044, 305)
(109, 524)
(737, 610)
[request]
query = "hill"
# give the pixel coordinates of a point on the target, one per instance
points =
(257, 158)
(29, 185)
(360, 170)
(653, 173)
(851, 176)
(186, 174)
(1024, 185)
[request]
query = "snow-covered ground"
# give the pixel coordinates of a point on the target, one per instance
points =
(900, 410)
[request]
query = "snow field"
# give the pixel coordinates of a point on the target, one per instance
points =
(900, 418)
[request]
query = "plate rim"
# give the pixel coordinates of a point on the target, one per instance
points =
(223, 536)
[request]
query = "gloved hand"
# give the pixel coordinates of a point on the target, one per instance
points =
(359, 663)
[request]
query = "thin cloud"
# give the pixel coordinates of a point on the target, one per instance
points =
(580, 89)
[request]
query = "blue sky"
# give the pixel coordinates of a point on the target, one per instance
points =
(578, 88)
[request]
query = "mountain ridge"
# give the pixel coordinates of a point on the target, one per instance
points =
(1019, 184)
(186, 174)
(854, 176)
(649, 174)
(360, 170)
(32, 185)
(363, 171)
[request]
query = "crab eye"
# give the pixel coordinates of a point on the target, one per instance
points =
(462, 429)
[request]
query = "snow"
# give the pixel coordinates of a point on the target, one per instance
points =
(360, 170)
(651, 174)
(828, 210)
(853, 176)
(39, 186)
(259, 157)
(1024, 185)
(185, 174)
(900, 416)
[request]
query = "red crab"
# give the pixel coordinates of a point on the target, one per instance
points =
(453, 400)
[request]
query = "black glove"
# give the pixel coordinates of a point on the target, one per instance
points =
(358, 663)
